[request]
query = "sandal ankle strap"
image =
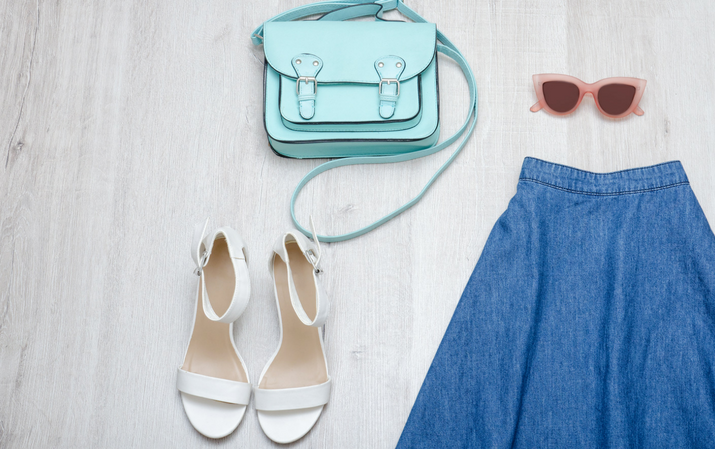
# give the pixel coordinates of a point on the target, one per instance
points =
(312, 254)
(201, 253)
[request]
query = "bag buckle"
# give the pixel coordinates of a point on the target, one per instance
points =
(389, 81)
(307, 80)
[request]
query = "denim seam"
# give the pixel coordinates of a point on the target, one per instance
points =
(627, 192)
(627, 170)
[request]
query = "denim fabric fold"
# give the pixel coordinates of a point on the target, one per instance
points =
(589, 321)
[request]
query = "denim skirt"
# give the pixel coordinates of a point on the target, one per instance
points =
(589, 321)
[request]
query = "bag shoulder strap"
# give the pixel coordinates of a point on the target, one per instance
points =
(348, 9)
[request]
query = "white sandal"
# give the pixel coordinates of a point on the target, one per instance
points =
(295, 385)
(213, 379)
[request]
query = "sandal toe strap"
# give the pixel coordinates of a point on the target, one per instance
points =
(292, 398)
(222, 390)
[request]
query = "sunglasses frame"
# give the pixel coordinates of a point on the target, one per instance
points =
(585, 88)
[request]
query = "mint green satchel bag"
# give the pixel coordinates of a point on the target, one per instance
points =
(363, 92)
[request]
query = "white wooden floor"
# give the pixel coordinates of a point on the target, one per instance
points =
(122, 124)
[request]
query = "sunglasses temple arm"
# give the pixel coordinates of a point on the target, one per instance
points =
(638, 111)
(537, 107)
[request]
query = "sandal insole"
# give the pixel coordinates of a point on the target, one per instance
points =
(300, 361)
(210, 350)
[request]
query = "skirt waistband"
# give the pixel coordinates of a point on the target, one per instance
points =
(668, 174)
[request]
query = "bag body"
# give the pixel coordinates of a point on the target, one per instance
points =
(345, 89)
(357, 92)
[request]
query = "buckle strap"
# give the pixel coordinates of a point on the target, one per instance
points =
(390, 69)
(307, 67)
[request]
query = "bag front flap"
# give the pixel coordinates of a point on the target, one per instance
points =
(350, 51)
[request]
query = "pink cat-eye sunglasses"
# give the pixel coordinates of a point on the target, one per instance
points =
(614, 97)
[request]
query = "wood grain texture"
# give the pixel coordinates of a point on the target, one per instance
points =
(124, 123)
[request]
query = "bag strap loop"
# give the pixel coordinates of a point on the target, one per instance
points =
(349, 9)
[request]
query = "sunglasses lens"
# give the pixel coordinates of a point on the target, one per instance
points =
(615, 99)
(560, 95)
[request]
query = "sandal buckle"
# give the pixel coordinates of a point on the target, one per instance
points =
(313, 259)
(202, 263)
